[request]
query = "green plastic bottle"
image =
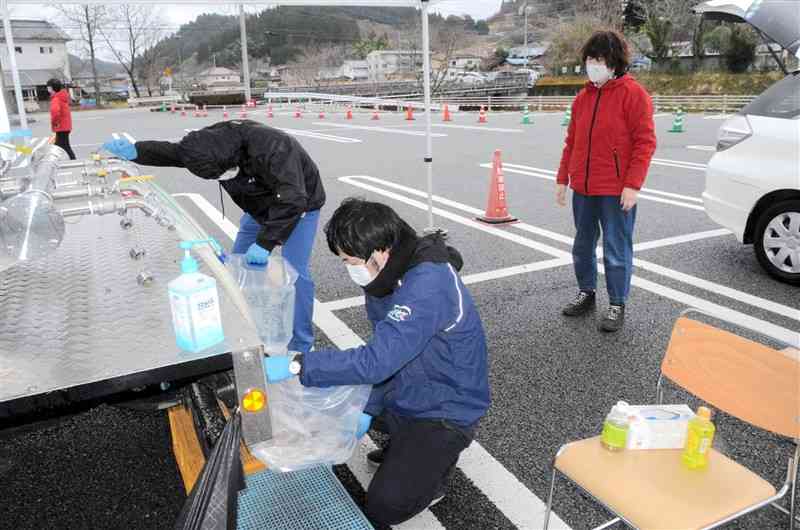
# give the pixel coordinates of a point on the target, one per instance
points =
(616, 426)
(699, 437)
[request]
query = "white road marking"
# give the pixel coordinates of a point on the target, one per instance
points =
(479, 466)
(115, 136)
(478, 128)
(377, 129)
(644, 194)
(679, 163)
(319, 136)
(357, 301)
(783, 334)
(717, 117)
(662, 115)
(129, 137)
(557, 253)
(677, 240)
(701, 147)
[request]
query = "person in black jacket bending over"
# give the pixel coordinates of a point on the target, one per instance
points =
(270, 177)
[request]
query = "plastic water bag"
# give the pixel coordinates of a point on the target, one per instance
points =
(310, 426)
(270, 293)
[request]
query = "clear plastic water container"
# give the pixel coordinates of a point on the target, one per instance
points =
(310, 426)
(270, 293)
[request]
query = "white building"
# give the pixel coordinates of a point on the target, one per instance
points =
(388, 64)
(465, 63)
(40, 49)
(355, 70)
(218, 76)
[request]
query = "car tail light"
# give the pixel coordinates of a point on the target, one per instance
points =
(734, 131)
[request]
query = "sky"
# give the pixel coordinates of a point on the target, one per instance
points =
(181, 14)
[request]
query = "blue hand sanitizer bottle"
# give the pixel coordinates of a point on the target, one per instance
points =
(194, 300)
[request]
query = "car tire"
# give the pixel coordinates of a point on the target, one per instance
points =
(786, 217)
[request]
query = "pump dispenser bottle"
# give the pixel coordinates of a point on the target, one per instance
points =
(194, 300)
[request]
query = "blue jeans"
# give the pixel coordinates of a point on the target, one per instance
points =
(297, 251)
(591, 214)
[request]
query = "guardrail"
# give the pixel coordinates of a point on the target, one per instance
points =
(153, 101)
(720, 103)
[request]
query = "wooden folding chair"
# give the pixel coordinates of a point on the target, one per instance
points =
(651, 489)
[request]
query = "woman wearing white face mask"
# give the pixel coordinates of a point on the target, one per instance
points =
(610, 142)
(427, 357)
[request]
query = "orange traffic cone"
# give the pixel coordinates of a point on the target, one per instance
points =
(482, 115)
(196, 112)
(243, 113)
(409, 113)
(205, 111)
(183, 112)
(298, 113)
(446, 114)
(375, 115)
(349, 114)
(270, 114)
(496, 207)
(225, 114)
(322, 114)
(172, 109)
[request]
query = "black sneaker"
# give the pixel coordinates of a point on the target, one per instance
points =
(583, 303)
(375, 458)
(614, 318)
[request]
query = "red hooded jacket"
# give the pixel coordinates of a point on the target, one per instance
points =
(60, 115)
(611, 139)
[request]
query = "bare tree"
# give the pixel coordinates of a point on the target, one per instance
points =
(87, 19)
(608, 12)
(666, 21)
(136, 24)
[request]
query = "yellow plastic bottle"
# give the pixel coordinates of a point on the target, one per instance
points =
(699, 437)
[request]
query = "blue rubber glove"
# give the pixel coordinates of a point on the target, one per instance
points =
(256, 255)
(364, 421)
(277, 368)
(121, 148)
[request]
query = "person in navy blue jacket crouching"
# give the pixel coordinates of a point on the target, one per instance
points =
(427, 357)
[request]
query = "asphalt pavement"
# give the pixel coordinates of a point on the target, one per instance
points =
(553, 379)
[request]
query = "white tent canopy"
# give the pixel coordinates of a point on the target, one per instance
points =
(422, 5)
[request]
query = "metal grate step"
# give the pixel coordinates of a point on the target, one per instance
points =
(311, 499)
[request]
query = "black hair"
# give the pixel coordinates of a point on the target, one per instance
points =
(55, 84)
(359, 227)
(611, 46)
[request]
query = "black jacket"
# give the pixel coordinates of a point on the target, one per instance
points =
(277, 180)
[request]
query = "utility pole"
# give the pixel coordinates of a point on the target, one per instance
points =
(245, 65)
(525, 46)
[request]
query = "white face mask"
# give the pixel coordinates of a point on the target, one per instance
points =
(359, 274)
(598, 74)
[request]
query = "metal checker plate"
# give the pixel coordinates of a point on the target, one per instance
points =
(80, 316)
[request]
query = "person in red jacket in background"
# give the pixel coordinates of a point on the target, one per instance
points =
(60, 115)
(610, 143)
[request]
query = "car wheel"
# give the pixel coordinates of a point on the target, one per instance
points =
(777, 241)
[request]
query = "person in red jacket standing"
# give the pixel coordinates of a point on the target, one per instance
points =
(610, 142)
(60, 115)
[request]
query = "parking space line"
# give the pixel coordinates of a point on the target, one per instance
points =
(747, 321)
(357, 301)
(677, 240)
(557, 253)
(683, 164)
(129, 137)
(479, 466)
(477, 128)
(319, 136)
(378, 129)
(644, 193)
